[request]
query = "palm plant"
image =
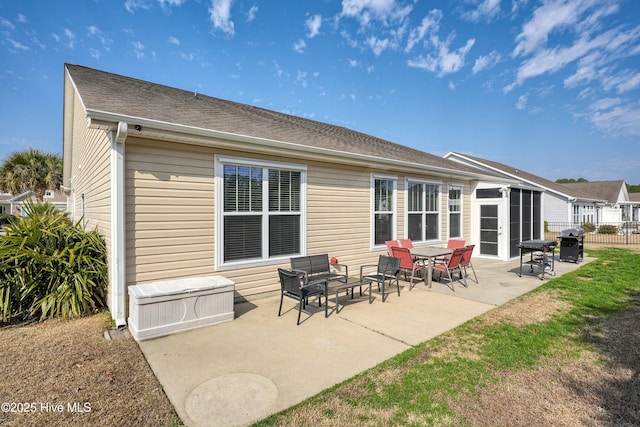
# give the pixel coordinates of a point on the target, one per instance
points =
(50, 267)
(32, 170)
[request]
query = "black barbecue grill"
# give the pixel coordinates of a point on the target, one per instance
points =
(572, 244)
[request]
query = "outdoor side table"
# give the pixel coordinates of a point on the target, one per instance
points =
(352, 283)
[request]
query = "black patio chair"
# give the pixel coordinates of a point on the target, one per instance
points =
(388, 270)
(292, 286)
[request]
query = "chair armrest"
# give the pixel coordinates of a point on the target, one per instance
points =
(362, 267)
(304, 275)
(346, 268)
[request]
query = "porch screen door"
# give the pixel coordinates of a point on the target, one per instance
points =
(489, 230)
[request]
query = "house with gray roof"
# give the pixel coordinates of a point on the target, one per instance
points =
(567, 205)
(618, 205)
(185, 185)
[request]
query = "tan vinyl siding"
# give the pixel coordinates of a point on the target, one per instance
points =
(169, 211)
(170, 216)
(90, 174)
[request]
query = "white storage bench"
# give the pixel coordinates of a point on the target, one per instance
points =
(162, 308)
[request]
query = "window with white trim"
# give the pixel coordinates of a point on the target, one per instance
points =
(262, 210)
(423, 211)
(384, 210)
(455, 211)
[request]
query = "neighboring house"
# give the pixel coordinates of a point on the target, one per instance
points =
(15, 204)
(5, 206)
(635, 211)
(534, 200)
(567, 205)
(618, 206)
(182, 184)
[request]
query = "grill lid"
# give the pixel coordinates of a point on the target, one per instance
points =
(572, 232)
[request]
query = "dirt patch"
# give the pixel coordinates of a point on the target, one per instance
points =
(598, 388)
(60, 373)
(527, 310)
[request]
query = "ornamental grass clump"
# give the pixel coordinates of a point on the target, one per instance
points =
(50, 267)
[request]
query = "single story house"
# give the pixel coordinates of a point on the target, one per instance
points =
(619, 207)
(561, 203)
(14, 205)
(5, 205)
(184, 185)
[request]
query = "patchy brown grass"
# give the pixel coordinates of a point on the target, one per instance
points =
(527, 310)
(598, 388)
(61, 373)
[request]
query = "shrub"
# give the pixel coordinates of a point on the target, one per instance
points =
(50, 267)
(608, 229)
(6, 218)
(589, 227)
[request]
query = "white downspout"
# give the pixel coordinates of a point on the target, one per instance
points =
(118, 255)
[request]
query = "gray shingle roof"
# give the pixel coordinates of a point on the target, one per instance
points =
(534, 179)
(125, 96)
(605, 190)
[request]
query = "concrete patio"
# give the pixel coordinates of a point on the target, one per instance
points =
(236, 373)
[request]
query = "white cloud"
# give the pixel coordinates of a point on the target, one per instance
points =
(429, 25)
(174, 40)
(452, 86)
(552, 15)
(105, 41)
(445, 61)
(623, 82)
(17, 46)
(299, 46)
(353, 63)
(616, 117)
(166, 3)
(367, 11)
(132, 5)
(7, 24)
(487, 9)
(251, 15)
(138, 50)
(68, 38)
(521, 104)
(486, 61)
(313, 26)
(377, 45)
(220, 15)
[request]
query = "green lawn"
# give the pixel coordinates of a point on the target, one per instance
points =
(428, 384)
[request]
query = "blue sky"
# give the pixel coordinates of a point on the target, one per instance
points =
(551, 87)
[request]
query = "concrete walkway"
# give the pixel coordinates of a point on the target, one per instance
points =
(236, 373)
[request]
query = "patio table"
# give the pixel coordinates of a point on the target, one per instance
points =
(430, 253)
(352, 283)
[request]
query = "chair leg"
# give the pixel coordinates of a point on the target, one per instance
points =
(300, 309)
(474, 272)
(280, 309)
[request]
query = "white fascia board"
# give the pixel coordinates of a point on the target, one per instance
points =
(200, 136)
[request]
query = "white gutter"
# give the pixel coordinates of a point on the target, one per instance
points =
(118, 236)
(195, 135)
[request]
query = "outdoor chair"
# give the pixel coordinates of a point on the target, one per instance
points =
(390, 244)
(387, 271)
(409, 263)
(292, 286)
(451, 244)
(451, 266)
(405, 243)
(466, 261)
